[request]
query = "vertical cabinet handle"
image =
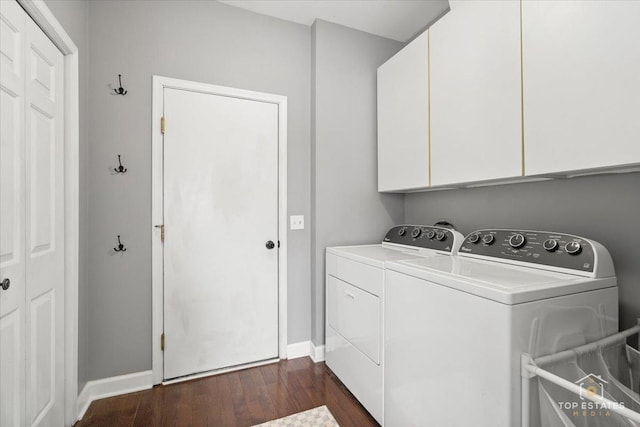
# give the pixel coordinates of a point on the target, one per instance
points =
(5, 284)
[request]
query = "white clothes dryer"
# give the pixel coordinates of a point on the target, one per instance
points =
(355, 300)
(455, 327)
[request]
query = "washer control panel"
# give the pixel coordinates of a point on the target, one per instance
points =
(422, 236)
(536, 247)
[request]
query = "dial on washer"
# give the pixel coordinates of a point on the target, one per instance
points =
(550, 245)
(573, 248)
(488, 239)
(517, 241)
(416, 232)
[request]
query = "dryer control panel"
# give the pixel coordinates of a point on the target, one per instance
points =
(425, 237)
(543, 248)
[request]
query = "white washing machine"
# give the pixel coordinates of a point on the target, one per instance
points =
(354, 309)
(455, 327)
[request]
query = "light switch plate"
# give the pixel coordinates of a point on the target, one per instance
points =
(296, 222)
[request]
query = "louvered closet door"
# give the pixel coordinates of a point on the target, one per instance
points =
(32, 225)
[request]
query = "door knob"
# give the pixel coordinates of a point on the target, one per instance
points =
(270, 245)
(5, 284)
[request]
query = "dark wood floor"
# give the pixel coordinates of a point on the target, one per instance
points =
(241, 398)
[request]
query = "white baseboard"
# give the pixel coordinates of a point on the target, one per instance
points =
(317, 353)
(113, 386)
(299, 349)
(84, 400)
(306, 349)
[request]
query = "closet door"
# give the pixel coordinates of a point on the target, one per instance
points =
(12, 214)
(31, 224)
(44, 139)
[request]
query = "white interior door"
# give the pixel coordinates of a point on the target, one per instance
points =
(44, 145)
(220, 210)
(12, 218)
(32, 225)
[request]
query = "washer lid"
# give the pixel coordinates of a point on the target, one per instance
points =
(502, 283)
(376, 255)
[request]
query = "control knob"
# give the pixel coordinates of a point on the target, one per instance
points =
(517, 241)
(441, 236)
(474, 238)
(402, 231)
(550, 245)
(416, 232)
(431, 234)
(573, 248)
(488, 239)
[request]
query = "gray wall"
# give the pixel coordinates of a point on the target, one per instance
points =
(604, 208)
(193, 40)
(346, 206)
(74, 17)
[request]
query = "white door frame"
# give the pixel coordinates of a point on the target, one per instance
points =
(157, 155)
(40, 13)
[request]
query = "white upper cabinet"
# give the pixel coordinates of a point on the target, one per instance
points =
(403, 118)
(476, 131)
(581, 84)
(498, 90)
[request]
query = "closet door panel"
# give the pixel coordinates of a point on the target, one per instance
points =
(44, 229)
(12, 213)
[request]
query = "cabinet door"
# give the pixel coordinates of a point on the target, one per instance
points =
(476, 127)
(403, 118)
(581, 84)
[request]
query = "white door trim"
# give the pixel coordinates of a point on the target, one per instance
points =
(159, 84)
(40, 13)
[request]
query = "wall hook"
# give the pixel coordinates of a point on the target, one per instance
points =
(120, 90)
(120, 169)
(120, 247)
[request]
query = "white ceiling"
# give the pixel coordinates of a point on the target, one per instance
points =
(394, 19)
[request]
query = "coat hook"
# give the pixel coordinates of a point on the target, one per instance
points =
(120, 169)
(120, 90)
(120, 247)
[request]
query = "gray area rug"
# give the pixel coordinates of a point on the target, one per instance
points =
(316, 417)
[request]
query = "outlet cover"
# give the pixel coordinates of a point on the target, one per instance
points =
(296, 222)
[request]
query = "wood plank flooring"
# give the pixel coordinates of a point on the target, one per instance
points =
(242, 398)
